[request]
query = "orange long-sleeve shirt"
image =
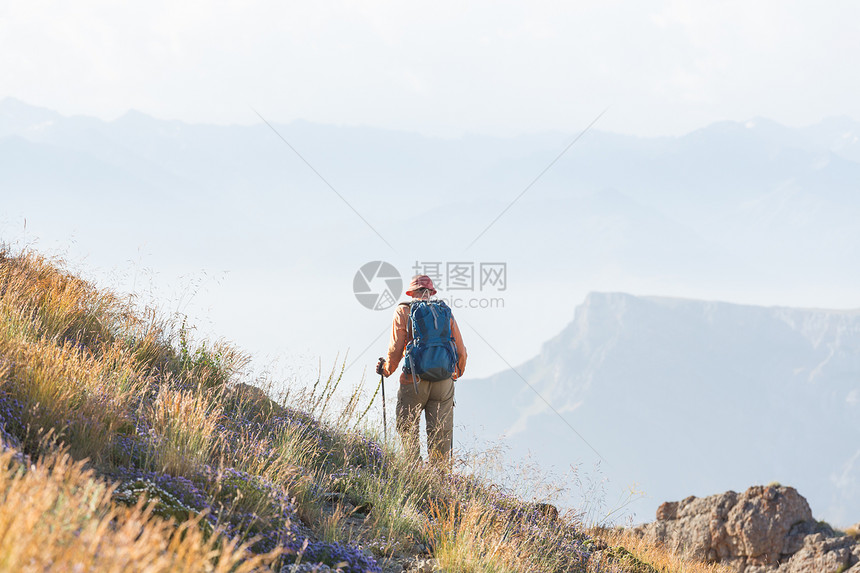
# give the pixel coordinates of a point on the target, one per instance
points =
(401, 335)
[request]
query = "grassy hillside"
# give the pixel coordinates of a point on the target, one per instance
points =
(126, 446)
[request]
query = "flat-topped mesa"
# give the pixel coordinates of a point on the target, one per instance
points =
(766, 529)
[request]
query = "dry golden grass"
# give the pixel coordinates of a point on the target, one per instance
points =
(43, 302)
(56, 516)
(475, 537)
(77, 361)
(661, 559)
(67, 354)
(470, 540)
(187, 424)
(82, 398)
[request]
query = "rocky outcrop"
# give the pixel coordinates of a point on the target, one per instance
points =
(766, 529)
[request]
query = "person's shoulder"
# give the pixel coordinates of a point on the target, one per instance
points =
(402, 309)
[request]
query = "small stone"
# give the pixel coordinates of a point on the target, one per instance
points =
(547, 510)
(363, 508)
(419, 548)
(425, 566)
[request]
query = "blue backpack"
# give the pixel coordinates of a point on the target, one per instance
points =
(431, 354)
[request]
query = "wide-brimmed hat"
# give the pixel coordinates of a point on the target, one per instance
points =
(419, 282)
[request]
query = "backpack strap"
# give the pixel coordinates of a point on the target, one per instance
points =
(409, 330)
(409, 317)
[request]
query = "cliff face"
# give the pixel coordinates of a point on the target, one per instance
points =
(683, 396)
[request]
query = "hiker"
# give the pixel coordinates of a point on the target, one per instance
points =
(432, 363)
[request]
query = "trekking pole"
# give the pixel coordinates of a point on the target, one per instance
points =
(384, 417)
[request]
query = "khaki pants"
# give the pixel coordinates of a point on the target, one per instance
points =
(436, 400)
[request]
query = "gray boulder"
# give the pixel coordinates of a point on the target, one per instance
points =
(766, 529)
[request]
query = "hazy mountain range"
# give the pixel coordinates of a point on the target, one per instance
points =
(727, 195)
(688, 397)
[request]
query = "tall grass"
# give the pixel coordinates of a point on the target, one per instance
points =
(186, 428)
(63, 360)
(63, 388)
(57, 516)
(40, 301)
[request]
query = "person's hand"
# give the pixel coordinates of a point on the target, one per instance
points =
(379, 366)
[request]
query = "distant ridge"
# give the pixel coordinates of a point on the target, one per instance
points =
(687, 397)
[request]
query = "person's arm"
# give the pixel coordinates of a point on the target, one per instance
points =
(398, 340)
(461, 349)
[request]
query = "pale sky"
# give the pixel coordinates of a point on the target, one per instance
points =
(443, 68)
